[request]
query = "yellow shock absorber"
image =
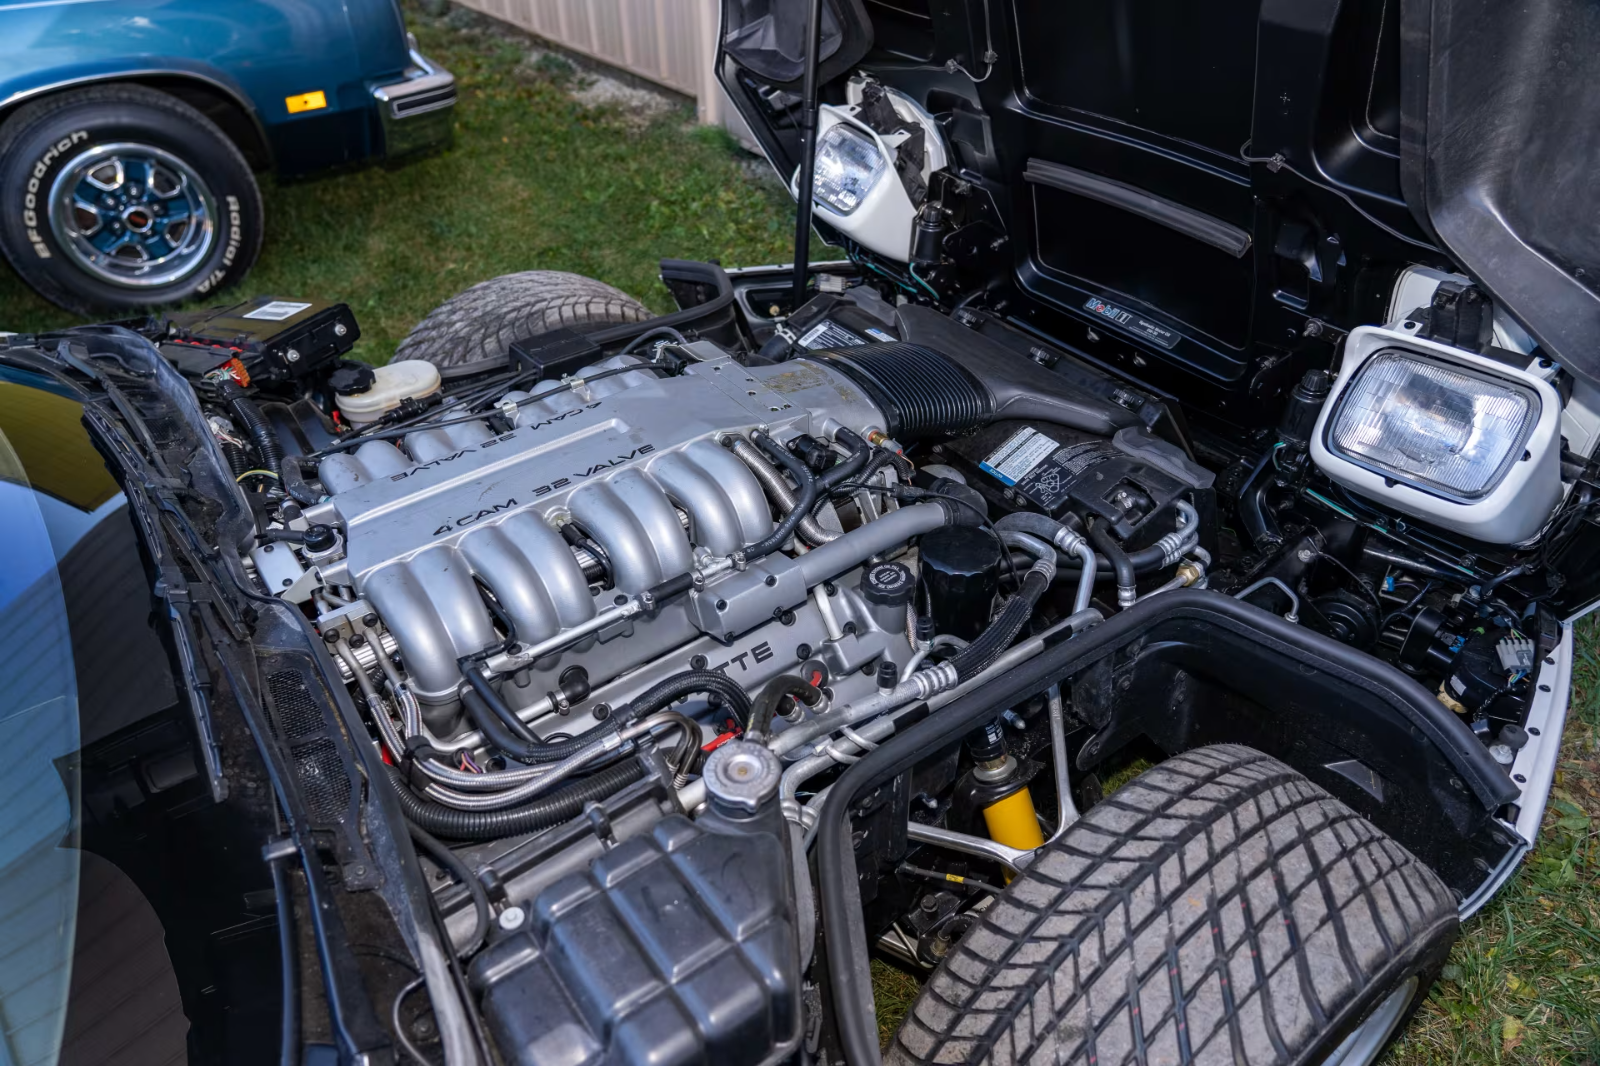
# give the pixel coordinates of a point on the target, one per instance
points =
(1013, 822)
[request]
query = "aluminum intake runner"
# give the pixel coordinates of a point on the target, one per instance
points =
(631, 463)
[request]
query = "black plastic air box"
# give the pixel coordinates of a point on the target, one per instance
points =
(677, 947)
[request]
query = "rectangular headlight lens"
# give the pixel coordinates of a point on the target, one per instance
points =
(1433, 425)
(848, 166)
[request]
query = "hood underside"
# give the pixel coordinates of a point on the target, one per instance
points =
(1239, 177)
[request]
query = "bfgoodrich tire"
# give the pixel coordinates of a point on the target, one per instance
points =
(481, 322)
(120, 197)
(1220, 908)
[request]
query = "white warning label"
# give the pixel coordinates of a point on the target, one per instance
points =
(1024, 450)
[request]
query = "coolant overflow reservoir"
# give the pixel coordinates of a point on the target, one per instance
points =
(408, 379)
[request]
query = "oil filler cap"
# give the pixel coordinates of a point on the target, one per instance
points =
(740, 776)
(888, 584)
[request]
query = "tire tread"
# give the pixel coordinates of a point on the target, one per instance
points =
(483, 321)
(1220, 908)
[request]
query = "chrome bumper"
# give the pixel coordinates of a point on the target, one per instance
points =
(418, 113)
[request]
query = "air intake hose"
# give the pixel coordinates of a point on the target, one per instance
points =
(919, 391)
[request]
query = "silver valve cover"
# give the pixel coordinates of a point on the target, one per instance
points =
(633, 459)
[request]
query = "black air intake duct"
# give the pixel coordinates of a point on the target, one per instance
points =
(918, 390)
(946, 379)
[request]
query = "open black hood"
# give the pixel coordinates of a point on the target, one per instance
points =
(1206, 198)
(1499, 145)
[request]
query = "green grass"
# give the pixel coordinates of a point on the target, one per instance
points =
(535, 181)
(1523, 983)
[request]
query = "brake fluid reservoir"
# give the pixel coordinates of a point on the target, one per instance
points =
(408, 379)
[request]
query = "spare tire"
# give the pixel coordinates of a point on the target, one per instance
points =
(1220, 908)
(481, 322)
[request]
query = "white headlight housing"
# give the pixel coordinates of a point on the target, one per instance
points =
(856, 189)
(1445, 435)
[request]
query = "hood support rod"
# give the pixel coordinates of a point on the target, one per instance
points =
(808, 154)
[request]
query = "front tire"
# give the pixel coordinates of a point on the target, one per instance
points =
(1220, 908)
(118, 197)
(481, 322)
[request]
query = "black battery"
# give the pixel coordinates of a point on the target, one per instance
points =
(274, 338)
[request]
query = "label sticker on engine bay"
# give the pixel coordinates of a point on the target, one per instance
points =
(1024, 450)
(277, 310)
(1123, 319)
(829, 334)
(1041, 469)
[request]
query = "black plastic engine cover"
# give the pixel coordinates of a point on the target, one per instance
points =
(677, 947)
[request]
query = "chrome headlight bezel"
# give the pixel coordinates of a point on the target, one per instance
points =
(1513, 446)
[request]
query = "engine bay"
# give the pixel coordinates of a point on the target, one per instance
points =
(618, 616)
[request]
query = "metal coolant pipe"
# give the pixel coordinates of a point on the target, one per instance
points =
(877, 536)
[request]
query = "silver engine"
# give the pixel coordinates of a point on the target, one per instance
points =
(595, 496)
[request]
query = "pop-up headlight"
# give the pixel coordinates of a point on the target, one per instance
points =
(848, 166)
(1452, 437)
(1443, 429)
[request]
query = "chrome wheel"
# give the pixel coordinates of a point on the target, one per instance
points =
(133, 215)
(1361, 1047)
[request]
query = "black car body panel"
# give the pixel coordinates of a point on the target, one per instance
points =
(1501, 112)
(1278, 121)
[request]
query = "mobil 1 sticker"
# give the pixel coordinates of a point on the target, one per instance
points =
(1126, 320)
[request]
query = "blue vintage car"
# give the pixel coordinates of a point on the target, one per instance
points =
(130, 131)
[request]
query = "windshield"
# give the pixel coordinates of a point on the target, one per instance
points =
(84, 975)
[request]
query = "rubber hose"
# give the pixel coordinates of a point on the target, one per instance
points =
(688, 683)
(846, 469)
(1031, 522)
(491, 699)
(494, 731)
(248, 415)
(542, 813)
(293, 480)
(997, 637)
(767, 703)
(463, 873)
(1106, 547)
(805, 499)
(1495, 582)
